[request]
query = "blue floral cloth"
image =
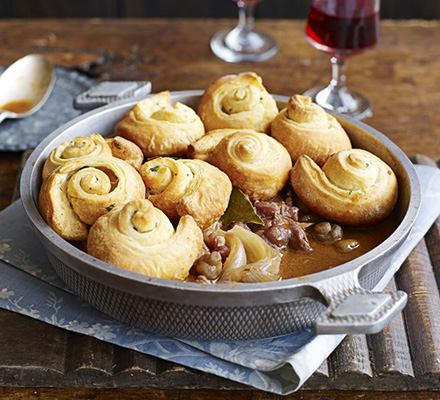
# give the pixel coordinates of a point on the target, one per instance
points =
(29, 286)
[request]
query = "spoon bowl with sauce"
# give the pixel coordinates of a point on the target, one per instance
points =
(25, 86)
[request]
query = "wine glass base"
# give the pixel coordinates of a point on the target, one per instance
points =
(220, 48)
(355, 105)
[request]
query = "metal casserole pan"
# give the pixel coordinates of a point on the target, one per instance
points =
(334, 301)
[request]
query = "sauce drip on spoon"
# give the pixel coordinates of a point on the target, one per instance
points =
(18, 106)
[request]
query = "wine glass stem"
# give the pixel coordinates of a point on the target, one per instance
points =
(246, 16)
(338, 72)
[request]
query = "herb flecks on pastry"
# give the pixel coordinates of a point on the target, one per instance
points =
(256, 163)
(81, 146)
(187, 187)
(76, 194)
(239, 102)
(126, 150)
(304, 128)
(354, 187)
(140, 238)
(160, 128)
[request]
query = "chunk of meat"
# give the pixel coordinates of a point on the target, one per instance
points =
(277, 235)
(298, 238)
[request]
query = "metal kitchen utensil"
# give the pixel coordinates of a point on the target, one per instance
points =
(335, 301)
(27, 133)
(29, 79)
(107, 92)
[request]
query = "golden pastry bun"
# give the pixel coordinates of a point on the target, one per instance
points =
(304, 128)
(126, 150)
(187, 187)
(239, 102)
(159, 128)
(80, 147)
(139, 237)
(354, 187)
(202, 148)
(76, 194)
(255, 162)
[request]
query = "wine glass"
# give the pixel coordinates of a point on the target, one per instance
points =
(243, 43)
(342, 28)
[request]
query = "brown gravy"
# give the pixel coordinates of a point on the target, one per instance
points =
(18, 106)
(325, 256)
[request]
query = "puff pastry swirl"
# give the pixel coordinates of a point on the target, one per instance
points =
(80, 147)
(187, 187)
(353, 188)
(140, 238)
(304, 128)
(126, 150)
(159, 128)
(76, 194)
(255, 162)
(237, 101)
(202, 148)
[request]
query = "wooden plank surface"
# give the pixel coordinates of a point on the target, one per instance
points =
(401, 77)
(390, 352)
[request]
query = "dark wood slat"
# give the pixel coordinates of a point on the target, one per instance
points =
(46, 350)
(351, 358)
(146, 394)
(433, 242)
(432, 238)
(126, 361)
(416, 277)
(86, 355)
(320, 377)
(390, 349)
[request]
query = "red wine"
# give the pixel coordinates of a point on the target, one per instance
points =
(345, 27)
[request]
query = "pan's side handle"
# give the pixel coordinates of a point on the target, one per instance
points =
(354, 310)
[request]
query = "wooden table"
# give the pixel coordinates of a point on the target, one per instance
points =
(401, 77)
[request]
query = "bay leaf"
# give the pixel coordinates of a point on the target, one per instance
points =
(240, 209)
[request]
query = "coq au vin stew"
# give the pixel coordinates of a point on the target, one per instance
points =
(235, 191)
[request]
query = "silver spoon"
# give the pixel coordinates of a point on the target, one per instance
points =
(25, 86)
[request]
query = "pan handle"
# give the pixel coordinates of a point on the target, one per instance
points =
(354, 310)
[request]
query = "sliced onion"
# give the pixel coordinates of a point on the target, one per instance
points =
(237, 255)
(263, 260)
